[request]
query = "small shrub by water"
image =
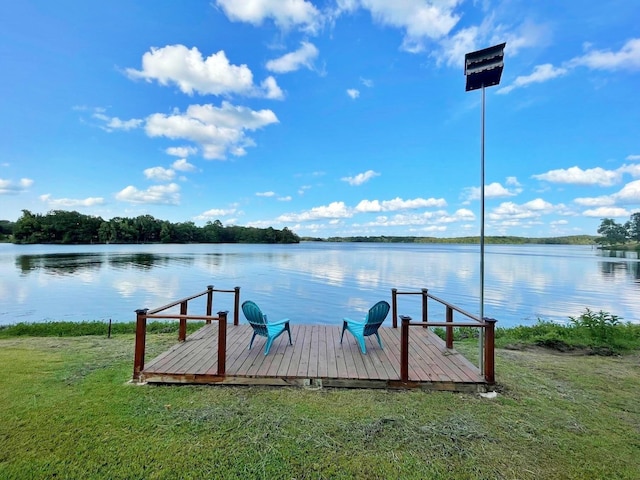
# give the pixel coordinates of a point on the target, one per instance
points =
(601, 332)
(598, 332)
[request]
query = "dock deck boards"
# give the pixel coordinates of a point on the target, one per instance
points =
(316, 358)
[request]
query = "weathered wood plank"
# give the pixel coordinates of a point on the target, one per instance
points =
(298, 346)
(316, 354)
(341, 366)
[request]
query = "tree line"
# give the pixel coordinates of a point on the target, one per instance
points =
(63, 227)
(614, 233)
(496, 240)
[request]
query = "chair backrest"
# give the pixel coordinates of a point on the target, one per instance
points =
(376, 316)
(254, 314)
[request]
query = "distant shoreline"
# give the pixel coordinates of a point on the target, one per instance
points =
(496, 240)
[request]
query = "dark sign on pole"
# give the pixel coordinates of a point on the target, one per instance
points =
(483, 68)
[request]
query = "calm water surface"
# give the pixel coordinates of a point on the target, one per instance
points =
(315, 282)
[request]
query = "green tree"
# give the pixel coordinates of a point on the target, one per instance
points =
(633, 227)
(612, 232)
(28, 228)
(213, 232)
(6, 229)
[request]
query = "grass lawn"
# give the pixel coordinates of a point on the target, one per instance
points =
(68, 411)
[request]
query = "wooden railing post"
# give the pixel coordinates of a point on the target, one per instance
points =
(489, 351)
(141, 337)
(449, 334)
(209, 302)
(236, 307)
(425, 316)
(222, 342)
(182, 330)
(404, 348)
(394, 307)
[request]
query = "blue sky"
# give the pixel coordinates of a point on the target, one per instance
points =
(342, 117)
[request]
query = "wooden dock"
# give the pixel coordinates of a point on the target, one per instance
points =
(315, 359)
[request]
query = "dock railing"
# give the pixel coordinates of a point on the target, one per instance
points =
(486, 355)
(143, 314)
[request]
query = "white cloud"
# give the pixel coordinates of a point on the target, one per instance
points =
(156, 194)
(353, 93)
(10, 187)
(633, 158)
(182, 165)
(114, 123)
(71, 202)
(606, 212)
(360, 178)
(627, 58)
(633, 169)
(493, 190)
(265, 194)
(181, 151)
(285, 14)
(576, 176)
(333, 210)
(217, 131)
(435, 219)
(215, 213)
(602, 201)
(160, 174)
(455, 47)
(271, 89)
(541, 74)
(290, 62)
(186, 68)
(285, 199)
(629, 195)
(420, 19)
(527, 34)
(513, 181)
(366, 82)
(369, 206)
(510, 211)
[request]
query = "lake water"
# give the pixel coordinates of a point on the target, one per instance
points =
(315, 282)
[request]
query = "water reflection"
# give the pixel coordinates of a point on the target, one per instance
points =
(316, 283)
(59, 264)
(626, 263)
(75, 263)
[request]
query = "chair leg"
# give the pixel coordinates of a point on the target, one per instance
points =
(344, 326)
(360, 340)
(268, 346)
(379, 341)
(289, 332)
(251, 342)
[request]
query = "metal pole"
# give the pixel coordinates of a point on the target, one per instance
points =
(481, 342)
(482, 212)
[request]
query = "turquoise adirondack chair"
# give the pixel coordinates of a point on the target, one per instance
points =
(262, 327)
(369, 326)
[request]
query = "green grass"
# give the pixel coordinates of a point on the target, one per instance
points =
(68, 411)
(78, 329)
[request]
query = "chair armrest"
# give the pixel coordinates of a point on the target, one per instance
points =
(284, 320)
(348, 320)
